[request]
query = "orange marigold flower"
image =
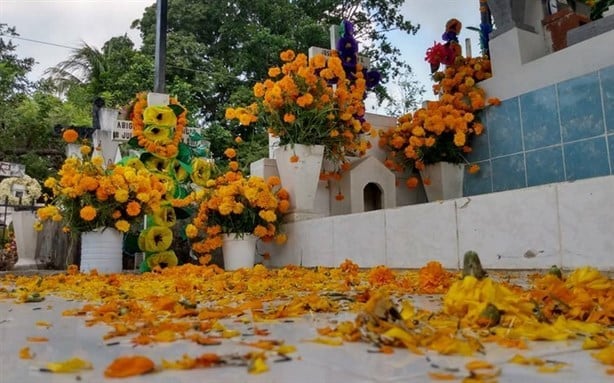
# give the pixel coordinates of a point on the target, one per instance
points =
(274, 71)
(349, 267)
(133, 208)
(287, 55)
(88, 213)
(289, 118)
(474, 168)
(233, 165)
(238, 140)
(381, 275)
(70, 135)
(426, 181)
(294, 158)
(339, 197)
(273, 181)
(230, 153)
(494, 101)
(412, 182)
(283, 206)
(432, 278)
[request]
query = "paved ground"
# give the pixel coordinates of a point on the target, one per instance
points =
(352, 362)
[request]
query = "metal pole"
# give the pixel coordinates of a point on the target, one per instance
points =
(160, 64)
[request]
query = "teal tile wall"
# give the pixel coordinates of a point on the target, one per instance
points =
(561, 132)
(607, 91)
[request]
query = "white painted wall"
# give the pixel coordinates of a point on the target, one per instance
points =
(567, 224)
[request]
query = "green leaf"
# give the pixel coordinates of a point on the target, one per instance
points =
(145, 156)
(177, 109)
(187, 167)
(181, 192)
(182, 213)
(143, 268)
(134, 142)
(185, 153)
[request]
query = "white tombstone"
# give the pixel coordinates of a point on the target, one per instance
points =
(158, 99)
(25, 238)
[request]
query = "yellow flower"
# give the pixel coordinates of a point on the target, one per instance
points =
(85, 149)
(201, 171)
(159, 115)
(155, 239)
(121, 195)
(165, 216)
(162, 259)
(122, 225)
(161, 135)
(268, 215)
(98, 161)
(191, 231)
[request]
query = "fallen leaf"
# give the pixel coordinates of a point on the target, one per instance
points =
(125, 366)
(441, 376)
(605, 356)
(25, 353)
(69, 365)
(327, 341)
(43, 323)
(257, 366)
(37, 339)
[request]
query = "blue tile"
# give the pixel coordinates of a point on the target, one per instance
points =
(540, 119)
(611, 148)
(585, 159)
(503, 125)
(607, 88)
(508, 172)
(480, 182)
(479, 145)
(580, 107)
(545, 166)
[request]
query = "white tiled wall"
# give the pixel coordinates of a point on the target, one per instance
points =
(568, 224)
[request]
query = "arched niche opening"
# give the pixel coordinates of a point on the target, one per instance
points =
(373, 197)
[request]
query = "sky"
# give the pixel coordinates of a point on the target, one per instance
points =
(67, 23)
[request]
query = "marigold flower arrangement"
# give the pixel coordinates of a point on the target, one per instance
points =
(443, 129)
(311, 102)
(157, 133)
(238, 205)
(87, 196)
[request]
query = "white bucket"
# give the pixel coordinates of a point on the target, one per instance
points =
(239, 251)
(102, 250)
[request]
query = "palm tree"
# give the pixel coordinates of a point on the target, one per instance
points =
(86, 65)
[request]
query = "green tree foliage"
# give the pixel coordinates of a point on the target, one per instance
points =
(218, 50)
(116, 73)
(28, 114)
(13, 70)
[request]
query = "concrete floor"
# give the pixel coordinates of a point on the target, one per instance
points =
(352, 362)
